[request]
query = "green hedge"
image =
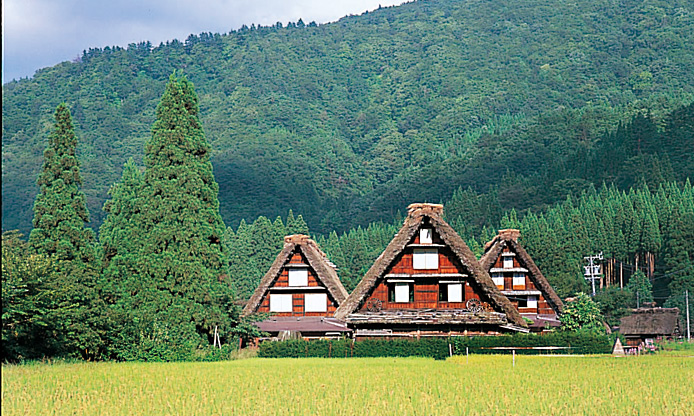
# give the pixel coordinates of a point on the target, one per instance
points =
(437, 348)
(577, 343)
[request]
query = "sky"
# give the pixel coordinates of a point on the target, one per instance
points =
(42, 33)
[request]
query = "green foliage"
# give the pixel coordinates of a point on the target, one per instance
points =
(30, 305)
(436, 348)
(615, 303)
(163, 252)
(582, 314)
(569, 342)
(59, 233)
(641, 288)
(397, 105)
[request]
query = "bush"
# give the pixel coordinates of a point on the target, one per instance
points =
(574, 342)
(436, 348)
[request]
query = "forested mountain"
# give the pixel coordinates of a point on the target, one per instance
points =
(348, 122)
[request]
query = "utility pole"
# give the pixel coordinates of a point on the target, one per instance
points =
(592, 270)
(686, 302)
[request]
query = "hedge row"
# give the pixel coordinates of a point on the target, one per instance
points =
(438, 348)
(430, 347)
(570, 342)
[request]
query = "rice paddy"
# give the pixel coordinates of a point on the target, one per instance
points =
(536, 385)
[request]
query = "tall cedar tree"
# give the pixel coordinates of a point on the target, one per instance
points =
(120, 238)
(185, 290)
(60, 215)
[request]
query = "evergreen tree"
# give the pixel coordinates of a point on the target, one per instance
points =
(641, 288)
(60, 215)
(120, 238)
(182, 291)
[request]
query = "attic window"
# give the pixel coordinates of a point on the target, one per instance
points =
(498, 279)
(280, 303)
(518, 280)
(425, 259)
(298, 277)
(508, 262)
(315, 302)
(532, 302)
(425, 236)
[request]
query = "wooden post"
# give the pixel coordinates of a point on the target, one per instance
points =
(450, 350)
(514, 358)
(467, 355)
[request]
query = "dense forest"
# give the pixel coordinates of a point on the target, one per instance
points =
(156, 215)
(347, 122)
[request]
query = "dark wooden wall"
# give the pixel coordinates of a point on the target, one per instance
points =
(426, 289)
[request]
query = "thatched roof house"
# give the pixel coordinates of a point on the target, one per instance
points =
(650, 323)
(517, 276)
(428, 280)
(301, 283)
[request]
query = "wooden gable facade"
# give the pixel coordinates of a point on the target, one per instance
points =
(300, 283)
(427, 281)
(517, 276)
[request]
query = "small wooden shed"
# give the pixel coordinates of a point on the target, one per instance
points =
(647, 325)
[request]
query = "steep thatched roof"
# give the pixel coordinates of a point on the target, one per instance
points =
(509, 238)
(417, 214)
(651, 321)
(325, 271)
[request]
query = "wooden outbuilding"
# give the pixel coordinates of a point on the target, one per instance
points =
(517, 276)
(427, 282)
(648, 325)
(301, 290)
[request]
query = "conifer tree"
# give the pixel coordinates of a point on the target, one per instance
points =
(641, 288)
(183, 290)
(60, 215)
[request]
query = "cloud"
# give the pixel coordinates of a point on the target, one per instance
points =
(40, 33)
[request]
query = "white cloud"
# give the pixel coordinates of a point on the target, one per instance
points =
(40, 33)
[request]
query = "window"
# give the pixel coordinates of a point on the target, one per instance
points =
(298, 277)
(401, 293)
(455, 292)
(425, 258)
(532, 302)
(451, 292)
(280, 303)
(498, 279)
(315, 302)
(508, 262)
(519, 279)
(425, 236)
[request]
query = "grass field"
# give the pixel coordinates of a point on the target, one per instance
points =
(554, 385)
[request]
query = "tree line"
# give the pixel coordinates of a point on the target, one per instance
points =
(166, 275)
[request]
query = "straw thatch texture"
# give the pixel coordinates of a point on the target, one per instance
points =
(651, 321)
(509, 238)
(325, 271)
(417, 214)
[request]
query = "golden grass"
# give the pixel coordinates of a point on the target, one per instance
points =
(486, 385)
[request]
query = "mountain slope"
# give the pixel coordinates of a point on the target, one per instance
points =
(322, 119)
